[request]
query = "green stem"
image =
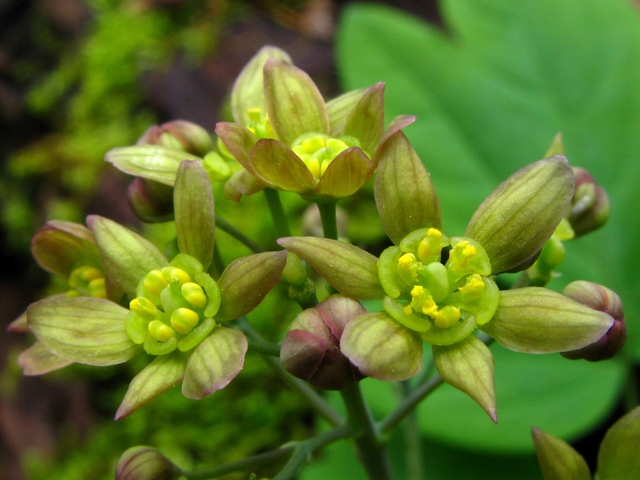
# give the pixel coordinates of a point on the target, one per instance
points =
(218, 262)
(277, 212)
(411, 435)
(372, 451)
(329, 220)
(226, 227)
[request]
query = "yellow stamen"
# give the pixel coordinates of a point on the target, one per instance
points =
(184, 319)
(447, 317)
(193, 293)
(160, 331)
(172, 273)
(145, 308)
(154, 283)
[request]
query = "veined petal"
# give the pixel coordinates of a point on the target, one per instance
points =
(346, 174)
(558, 460)
(85, 330)
(366, 120)
(302, 353)
(294, 103)
(194, 212)
(37, 360)
(127, 256)
(618, 456)
(396, 125)
(339, 109)
(214, 363)
(242, 183)
(275, 164)
(538, 320)
(405, 196)
(160, 375)
(239, 140)
(468, 366)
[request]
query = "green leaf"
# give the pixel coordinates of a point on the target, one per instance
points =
(127, 256)
(214, 363)
(468, 366)
(163, 373)
(366, 120)
(558, 460)
(347, 268)
(194, 211)
(405, 196)
(84, 330)
(149, 161)
(294, 103)
(618, 457)
(246, 281)
(37, 360)
(539, 320)
(345, 175)
(339, 108)
(275, 165)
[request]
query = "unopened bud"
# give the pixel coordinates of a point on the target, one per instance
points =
(179, 135)
(589, 205)
(145, 463)
(151, 201)
(604, 300)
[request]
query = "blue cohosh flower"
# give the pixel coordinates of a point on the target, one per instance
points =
(438, 289)
(287, 138)
(178, 310)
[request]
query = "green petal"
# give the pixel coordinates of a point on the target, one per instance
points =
(215, 362)
(395, 125)
(84, 330)
(242, 183)
(382, 348)
(37, 360)
(345, 175)
(61, 247)
(538, 320)
(246, 281)
(239, 141)
(347, 268)
(468, 366)
(366, 120)
(160, 375)
(149, 161)
(248, 90)
(618, 458)
(127, 256)
(294, 103)
(558, 460)
(277, 166)
(339, 109)
(405, 196)
(194, 211)
(518, 218)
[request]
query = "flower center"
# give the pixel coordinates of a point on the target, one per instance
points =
(317, 151)
(259, 123)
(87, 281)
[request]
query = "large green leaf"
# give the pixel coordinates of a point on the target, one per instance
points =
(491, 90)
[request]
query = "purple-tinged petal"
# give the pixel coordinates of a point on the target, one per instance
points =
(345, 175)
(396, 125)
(302, 352)
(145, 463)
(239, 141)
(37, 360)
(242, 183)
(275, 164)
(366, 120)
(339, 109)
(337, 310)
(19, 325)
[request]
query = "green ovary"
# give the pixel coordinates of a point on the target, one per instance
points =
(317, 151)
(169, 311)
(87, 281)
(444, 302)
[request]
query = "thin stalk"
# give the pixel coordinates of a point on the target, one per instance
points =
(411, 435)
(329, 220)
(277, 212)
(218, 262)
(371, 450)
(229, 229)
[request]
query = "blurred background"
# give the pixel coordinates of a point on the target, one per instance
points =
(491, 82)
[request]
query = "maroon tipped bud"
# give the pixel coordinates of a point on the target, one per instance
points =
(179, 135)
(589, 205)
(151, 201)
(145, 463)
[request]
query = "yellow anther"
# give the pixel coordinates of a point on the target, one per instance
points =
(406, 261)
(172, 273)
(160, 331)
(336, 146)
(154, 283)
(254, 114)
(430, 247)
(447, 317)
(434, 233)
(314, 167)
(417, 291)
(461, 254)
(97, 287)
(313, 144)
(469, 251)
(72, 294)
(193, 293)
(145, 308)
(430, 308)
(299, 150)
(324, 166)
(473, 288)
(91, 273)
(184, 319)
(407, 310)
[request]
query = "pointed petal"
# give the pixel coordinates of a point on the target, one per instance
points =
(339, 109)
(294, 103)
(242, 183)
(366, 120)
(246, 281)
(19, 325)
(163, 373)
(396, 125)
(277, 166)
(346, 174)
(382, 348)
(214, 363)
(347, 268)
(618, 457)
(302, 353)
(538, 320)
(248, 90)
(405, 196)
(61, 247)
(149, 161)
(518, 218)
(194, 212)
(337, 311)
(468, 366)
(558, 460)
(37, 360)
(127, 256)
(84, 330)
(239, 141)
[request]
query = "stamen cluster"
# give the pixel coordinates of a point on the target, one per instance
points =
(87, 281)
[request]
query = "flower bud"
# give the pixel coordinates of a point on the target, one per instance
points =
(589, 205)
(311, 349)
(604, 300)
(151, 201)
(145, 463)
(179, 135)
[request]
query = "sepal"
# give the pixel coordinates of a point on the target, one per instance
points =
(37, 360)
(558, 460)
(179, 135)
(618, 456)
(145, 463)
